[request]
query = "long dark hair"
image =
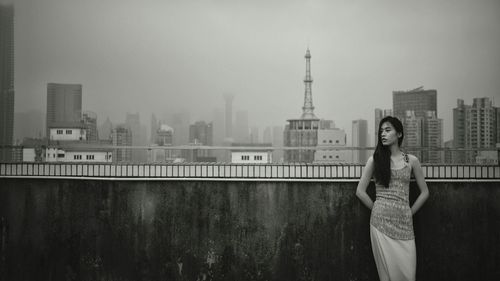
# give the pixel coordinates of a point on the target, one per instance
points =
(382, 154)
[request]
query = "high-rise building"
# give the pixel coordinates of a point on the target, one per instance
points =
(64, 104)
(474, 127)
(105, 130)
(201, 133)
(89, 119)
(154, 128)
(164, 135)
(448, 153)
(418, 100)
(303, 132)
(254, 135)
(413, 133)
(277, 142)
(6, 81)
(267, 135)
(241, 128)
(218, 126)
(423, 136)
(180, 122)
(139, 137)
(122, 136)
(360, 141)
(432, 138)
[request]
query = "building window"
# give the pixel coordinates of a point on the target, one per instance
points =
(257, 157)
(77, 157)
(90, 157)
(69, 132)
(324, 156)
(330, 141)
(60, 155)
(337, 141)
(245, 157)
(59, 132)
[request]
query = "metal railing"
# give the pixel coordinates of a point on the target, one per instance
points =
(232, 171)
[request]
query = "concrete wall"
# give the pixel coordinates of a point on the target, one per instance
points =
(159, 230)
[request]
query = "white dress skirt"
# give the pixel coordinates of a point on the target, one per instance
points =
(396, 260)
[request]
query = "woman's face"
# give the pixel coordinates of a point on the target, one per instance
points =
(388, 134)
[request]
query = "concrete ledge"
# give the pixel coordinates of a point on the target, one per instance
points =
(60, 229)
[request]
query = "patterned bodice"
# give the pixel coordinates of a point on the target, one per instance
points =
(391, 213)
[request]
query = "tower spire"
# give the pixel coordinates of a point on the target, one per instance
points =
(308, 108)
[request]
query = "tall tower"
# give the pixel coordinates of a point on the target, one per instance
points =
(303, 132)
(6, 80)
(308, 108)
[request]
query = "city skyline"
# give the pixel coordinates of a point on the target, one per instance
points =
(178, 55)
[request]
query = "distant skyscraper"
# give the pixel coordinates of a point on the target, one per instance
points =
(139, 137)
(64, 104)
(241, 130)
(267, 135)
(432, 138)
(105, 130)
(90, 122)
(475, 126)
(413, 133)
(303, 132)
(218, 126)
(229, 117)
(180, 122)
(154, 128)
(419, 101)
(277, 142)
(254, 135)
(201, 133)
(360, 140)
(6, 81)
(122, 136)
(164, 135)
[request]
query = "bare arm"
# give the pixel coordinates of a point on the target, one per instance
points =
(422, 185)
(363, 184)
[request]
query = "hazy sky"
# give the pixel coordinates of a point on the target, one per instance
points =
(163, 56)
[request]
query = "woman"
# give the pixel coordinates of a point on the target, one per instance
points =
(391, 224)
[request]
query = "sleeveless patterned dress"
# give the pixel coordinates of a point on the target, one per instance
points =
(391, 213)
(391, 228)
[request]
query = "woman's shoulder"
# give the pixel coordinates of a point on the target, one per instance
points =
(412, 159)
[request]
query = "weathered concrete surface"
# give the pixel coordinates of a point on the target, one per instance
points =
(138, 230)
